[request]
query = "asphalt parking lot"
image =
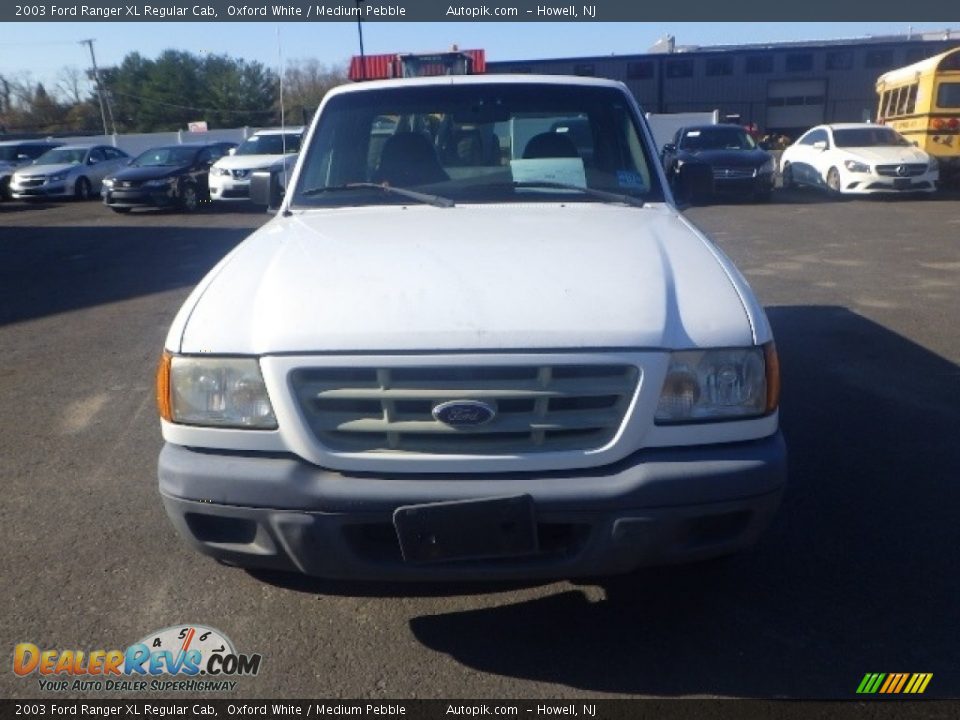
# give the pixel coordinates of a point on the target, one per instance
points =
(857, 574)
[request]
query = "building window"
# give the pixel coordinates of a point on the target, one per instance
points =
(799, 62)
(840, 60)
(680, 68)
(640, 70)
(585, 69)
(916, 54)
(879, 58)
(757, 64)
(719, 66)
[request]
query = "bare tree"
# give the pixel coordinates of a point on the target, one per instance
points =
(70, 83)
(305, 82)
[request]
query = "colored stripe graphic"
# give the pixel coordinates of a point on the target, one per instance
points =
(894, 683)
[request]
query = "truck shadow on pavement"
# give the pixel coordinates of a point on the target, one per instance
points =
(857, 574)
(46, 270)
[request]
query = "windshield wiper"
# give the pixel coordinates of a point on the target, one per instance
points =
(599, 194)
(435, 200)
(592, 192)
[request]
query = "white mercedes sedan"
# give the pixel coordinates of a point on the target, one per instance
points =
(858, 158)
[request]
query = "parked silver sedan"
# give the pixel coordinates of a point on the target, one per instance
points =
(68, 171)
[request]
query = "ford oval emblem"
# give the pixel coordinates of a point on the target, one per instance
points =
(464, 413)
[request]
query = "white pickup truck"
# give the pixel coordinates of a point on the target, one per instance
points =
(477, 341)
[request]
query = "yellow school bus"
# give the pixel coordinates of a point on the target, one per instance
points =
(922, 103)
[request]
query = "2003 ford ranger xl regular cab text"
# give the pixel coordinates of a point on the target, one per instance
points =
(478, 341)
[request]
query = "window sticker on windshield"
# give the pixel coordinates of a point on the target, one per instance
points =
(630, 179)
(558, 170)
(693, 133)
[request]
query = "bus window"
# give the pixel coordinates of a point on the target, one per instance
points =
(912, 99)
(902, 100)
(948, 95)
(887, 99)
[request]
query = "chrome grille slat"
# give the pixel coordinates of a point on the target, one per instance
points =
(563, 421)
(540, 408)
(561, 389)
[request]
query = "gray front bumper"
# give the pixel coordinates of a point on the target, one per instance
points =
(656, 506)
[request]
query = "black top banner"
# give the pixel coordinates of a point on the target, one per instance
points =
(447, 10)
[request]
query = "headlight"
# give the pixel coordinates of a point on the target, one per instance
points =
(57, 178)
(708, 385)
(856, 166)
(221, 171)
(215, 391)
(108, 182)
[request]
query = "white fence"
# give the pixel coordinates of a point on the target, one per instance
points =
(135, 144)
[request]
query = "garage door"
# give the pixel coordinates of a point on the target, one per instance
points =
(796, 103)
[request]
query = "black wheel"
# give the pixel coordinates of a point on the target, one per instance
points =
(188, 198)
(788, 181)
(833, 181)
(82, 190)
(5, 189)
(121, 210)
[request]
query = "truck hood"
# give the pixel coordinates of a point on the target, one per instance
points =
(473, 277)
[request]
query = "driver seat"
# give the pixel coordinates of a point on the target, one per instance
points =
(409, 159)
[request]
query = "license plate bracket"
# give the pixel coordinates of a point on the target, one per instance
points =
(467, 529)
(901, 183)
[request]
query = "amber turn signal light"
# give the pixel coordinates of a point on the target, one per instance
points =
(163, 387)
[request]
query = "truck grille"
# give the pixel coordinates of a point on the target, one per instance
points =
(538, 408)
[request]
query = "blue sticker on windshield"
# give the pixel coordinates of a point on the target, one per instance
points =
(630, 179)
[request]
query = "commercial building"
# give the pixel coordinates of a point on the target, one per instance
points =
(782, 87)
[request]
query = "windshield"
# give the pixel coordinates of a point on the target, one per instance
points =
(716, 138)
(62, 156)
(164, 156)
(273, 144)
(482, 142)
(868, 137)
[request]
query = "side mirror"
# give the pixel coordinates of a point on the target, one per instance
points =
(915, 143)
(265, 189)
(693, 183)
(92, 161)
(669, 148)
(232, 151)
(820, 145)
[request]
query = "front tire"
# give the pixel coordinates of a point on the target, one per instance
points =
(188, 199)
(82, 189)
(833, 182)
(788, 182)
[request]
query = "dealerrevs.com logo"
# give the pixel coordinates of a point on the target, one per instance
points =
(178, 658)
